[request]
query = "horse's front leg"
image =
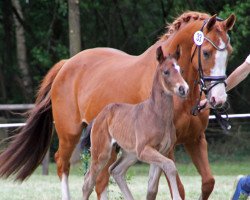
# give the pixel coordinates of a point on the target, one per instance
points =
(199, 155)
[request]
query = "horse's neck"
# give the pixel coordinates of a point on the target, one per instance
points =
(161, 101)
(149, 56)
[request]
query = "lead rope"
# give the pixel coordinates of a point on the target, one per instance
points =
(224, 122)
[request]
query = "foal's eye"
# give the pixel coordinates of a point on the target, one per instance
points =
(166, 72)
(206, 54)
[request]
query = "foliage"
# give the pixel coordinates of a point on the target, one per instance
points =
(241, 42)
(85, 160)
(129, 25)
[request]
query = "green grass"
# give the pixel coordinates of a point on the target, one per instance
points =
(39, 187)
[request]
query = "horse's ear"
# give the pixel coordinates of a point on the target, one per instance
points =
(159, 55)
(229, 22)
(177, 53)
(211, 22)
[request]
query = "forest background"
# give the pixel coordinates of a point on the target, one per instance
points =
(35, 34)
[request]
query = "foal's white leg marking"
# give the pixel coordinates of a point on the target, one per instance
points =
(219, 69)
(65, 187)
(104, 195)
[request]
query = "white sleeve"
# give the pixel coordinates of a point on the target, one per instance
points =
(248, 59)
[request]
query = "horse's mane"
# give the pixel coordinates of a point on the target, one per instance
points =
(182, 20)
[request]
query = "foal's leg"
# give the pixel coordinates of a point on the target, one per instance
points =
(90, 177)
(179, 183)
(100, 154)
(103, 178)
(118, 171)
(153, 182)
(154, 177)
(152, 156)
(198, 152)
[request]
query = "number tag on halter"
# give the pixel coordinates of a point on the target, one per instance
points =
(198, 38)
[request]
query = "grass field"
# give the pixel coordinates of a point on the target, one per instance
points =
(48, 187)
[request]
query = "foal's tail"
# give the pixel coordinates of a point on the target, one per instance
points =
(29, 146)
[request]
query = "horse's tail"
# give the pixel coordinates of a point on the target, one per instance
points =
(29, 146)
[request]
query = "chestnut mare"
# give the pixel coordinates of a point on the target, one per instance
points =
(76, 90)
(144, 131)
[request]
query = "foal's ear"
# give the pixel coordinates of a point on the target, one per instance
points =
(229, 22)
(177, 53)
(211, 22)
(159, 55)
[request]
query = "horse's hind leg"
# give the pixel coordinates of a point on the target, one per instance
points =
(118, 171)
(68, 135)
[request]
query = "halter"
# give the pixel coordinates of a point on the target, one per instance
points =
(213, 80)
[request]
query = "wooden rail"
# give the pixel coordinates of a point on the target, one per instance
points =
(16, 106)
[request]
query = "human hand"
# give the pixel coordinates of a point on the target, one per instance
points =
(204, 105)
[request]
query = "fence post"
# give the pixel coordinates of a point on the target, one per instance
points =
(45, 164)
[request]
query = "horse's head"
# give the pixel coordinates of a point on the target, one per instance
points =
(170, 73)
(209, 56)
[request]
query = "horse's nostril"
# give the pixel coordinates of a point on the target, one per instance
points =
(181, 90)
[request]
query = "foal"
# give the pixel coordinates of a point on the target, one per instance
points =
(144, 131)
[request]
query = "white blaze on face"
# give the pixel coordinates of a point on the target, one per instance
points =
(177, 67)
(218, 92)
(184, 84)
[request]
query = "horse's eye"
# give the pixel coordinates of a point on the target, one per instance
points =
(166, 72)
(206, 54)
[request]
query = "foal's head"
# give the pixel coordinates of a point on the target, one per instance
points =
(170, 73)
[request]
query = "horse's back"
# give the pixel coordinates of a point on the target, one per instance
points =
(94, 78)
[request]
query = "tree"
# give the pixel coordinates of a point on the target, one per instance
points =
(74, 27)
(74, 48)
(21, 53)
(6, 46)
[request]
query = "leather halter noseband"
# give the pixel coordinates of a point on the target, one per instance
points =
(214, 80)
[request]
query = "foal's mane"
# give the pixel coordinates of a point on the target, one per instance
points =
(181, 21)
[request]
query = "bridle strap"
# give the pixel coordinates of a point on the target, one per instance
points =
(215, 80)
(215, 46)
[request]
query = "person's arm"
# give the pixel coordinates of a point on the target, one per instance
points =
(238, 75)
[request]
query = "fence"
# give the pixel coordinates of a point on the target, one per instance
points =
(45, 163)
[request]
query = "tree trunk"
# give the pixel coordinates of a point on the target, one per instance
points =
(74, 27)
(21, 53)
(74, 48)
(7, 54)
